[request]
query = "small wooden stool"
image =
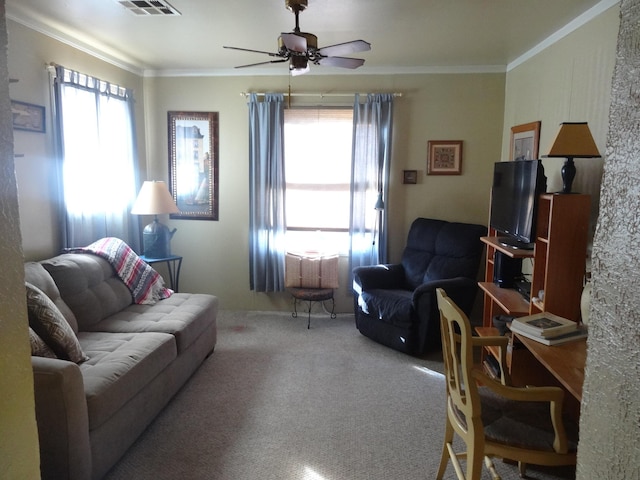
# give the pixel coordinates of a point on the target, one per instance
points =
(312, 295)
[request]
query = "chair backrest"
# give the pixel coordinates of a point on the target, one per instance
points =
(437, 249)
(457, 353)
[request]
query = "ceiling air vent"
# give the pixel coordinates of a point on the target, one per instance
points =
(149, 7)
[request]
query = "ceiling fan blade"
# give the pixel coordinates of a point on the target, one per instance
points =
(342, 62)
(345, 48)
(254, 51)
(294, 43)
(261, 63)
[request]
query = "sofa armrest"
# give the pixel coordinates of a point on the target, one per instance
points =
(63, 422)
(388, 277)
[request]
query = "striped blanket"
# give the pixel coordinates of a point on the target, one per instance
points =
(146, 285)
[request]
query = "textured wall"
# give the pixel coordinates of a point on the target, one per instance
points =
(19, 458)
(610, 424)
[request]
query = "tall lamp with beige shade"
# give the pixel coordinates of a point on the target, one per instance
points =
(154, 199)
(574, 140)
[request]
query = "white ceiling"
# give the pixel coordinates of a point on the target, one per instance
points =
(407, 36)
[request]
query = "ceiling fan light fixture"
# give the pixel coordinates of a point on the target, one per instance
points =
(298, 65)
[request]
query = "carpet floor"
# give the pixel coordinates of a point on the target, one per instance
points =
(276, 401)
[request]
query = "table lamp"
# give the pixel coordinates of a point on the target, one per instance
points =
(574, 140)
(154, 199)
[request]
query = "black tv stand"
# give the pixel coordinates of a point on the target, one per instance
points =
(513, 243)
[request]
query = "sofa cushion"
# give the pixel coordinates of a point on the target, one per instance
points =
(89, 285)
(311, 271)
(38, 346)
(120, 366)
(184, 315)
(47, 321)
(35, 274)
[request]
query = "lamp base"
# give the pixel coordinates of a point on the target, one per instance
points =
(156, 240)
(568, 173)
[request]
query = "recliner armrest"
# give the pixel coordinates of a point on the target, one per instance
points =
(455, 287)
(389, 277)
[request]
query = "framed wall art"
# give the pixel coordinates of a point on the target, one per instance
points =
(193, 164)
(409, 176)
(444, 157)
(524, 141)
(27, 117)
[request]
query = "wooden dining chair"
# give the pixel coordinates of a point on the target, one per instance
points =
(520, 424)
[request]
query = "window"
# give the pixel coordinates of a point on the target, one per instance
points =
(99, 162)
(317, 154)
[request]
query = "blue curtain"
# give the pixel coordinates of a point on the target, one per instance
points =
(96, 143)
(266, 193)
(372, 131)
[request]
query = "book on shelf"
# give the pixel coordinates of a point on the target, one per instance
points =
(544, 325)
(578, 333)
(492, 367)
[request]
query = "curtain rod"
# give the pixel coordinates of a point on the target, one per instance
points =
(246, 94)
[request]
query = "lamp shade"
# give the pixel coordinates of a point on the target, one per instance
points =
(574, 140)
(154, 198)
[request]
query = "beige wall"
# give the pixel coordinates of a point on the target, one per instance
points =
(28, 55)
(19, 458)
(567, 82)
(466, 107)
(432, 107)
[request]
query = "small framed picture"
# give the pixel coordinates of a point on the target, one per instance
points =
(27, 116)
(410, 176)
(524, 141)
(444, 157)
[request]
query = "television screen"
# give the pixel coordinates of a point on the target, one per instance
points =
(514, 198)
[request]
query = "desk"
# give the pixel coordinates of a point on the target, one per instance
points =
(562, 365)
(565, 362)
(174, 262)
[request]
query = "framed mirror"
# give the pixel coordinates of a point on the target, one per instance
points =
(193, 164)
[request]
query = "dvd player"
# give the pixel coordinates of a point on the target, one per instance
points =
(524, 288)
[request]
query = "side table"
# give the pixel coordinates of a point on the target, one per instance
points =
(174, 262)
(312, 295)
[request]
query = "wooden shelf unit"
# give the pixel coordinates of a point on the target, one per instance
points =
(559, 261)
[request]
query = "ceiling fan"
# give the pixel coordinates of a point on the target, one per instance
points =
(299, 48)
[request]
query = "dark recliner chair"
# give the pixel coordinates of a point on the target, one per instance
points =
(396, 304)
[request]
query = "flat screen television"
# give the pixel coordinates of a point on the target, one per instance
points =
(514, 200)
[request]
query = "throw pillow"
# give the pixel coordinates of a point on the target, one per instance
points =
(311, 271)
(38, 347)
(49, 323)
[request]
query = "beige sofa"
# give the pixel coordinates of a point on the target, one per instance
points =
(89, 412)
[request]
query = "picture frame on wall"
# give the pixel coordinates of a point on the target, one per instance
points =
(27, 117)
(444, 157)
(525, 141)
(193, 164)
(409, 176)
